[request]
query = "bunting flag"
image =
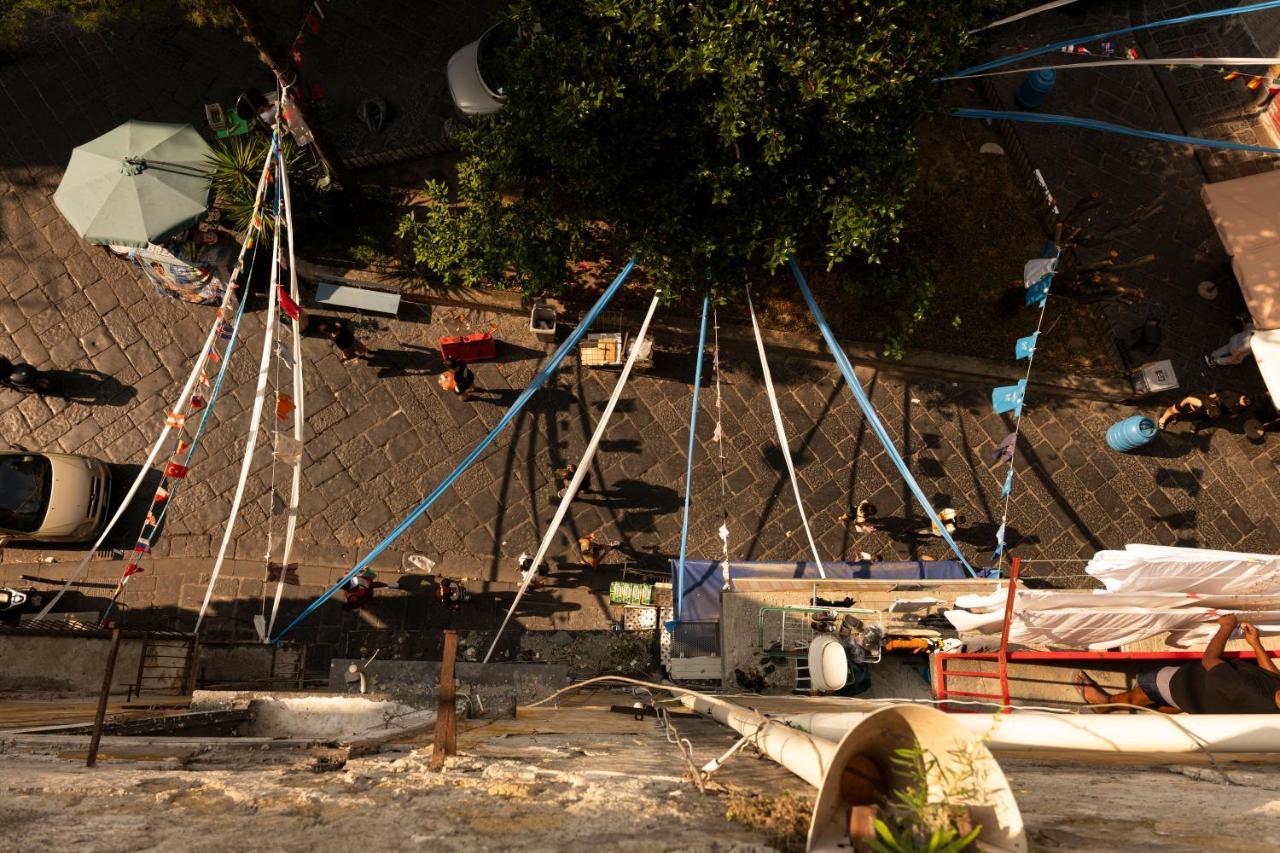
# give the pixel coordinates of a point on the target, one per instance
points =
(284, 405)
(131, 569)
(1004, 451)
(174, 471)
(999, 549)
(1025, 347)
(1009, 398)
(162, 495)
(1037, 268)
(289, 575)
(1008, 484)
(1038, 293)
(175, 420)
(288, 449)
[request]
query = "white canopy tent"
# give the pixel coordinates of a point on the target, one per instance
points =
(1246, 212)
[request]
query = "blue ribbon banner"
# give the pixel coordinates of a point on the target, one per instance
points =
(1051, 48)
(869, 412)
(526, 395)
(1008, 484)
(1025, 347)
(688, 471)
(1038, 293)
(1009, 398)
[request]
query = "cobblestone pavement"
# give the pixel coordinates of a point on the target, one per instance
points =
(1133, 173)
(382, 434)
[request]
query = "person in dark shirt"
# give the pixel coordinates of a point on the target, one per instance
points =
(1211, 685)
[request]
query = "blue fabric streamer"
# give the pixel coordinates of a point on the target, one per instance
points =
(999, 541)
(869, 413)
(1038, 293)
(1107, 127)
(1050, 48)
(1009, 398)
(688, 471)
(1025, 347)
(1007, 489)
(527, 394)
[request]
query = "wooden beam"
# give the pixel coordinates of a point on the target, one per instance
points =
(101, 715)
(446, 742)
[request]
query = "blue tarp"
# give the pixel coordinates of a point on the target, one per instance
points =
(702, 580)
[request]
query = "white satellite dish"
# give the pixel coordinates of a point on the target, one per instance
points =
(828, 664)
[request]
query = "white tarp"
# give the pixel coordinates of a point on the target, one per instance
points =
(1150, 590)
(1098, 629)
(1265, 345)
(1154, 568)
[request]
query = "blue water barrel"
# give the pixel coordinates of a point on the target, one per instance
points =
(1131, 433)
(1033, 90)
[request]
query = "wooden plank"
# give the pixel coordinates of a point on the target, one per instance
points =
(446, 740)
(101, 714)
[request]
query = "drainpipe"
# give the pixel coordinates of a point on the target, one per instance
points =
(1029, 731)
(806, 756)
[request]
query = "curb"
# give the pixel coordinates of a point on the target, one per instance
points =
(917, 363)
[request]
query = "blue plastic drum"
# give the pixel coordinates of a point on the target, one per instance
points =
(1131, 433)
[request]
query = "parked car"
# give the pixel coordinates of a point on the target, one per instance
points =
(477, 82)
(52, 497)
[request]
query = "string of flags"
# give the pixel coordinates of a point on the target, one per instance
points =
(310, 24)
(1107, 49)
(179, 462)
(1251, 81)
(1037, 278)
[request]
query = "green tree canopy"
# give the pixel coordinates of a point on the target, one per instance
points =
(706, 138)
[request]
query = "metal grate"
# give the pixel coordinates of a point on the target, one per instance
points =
(695, 639)
(786, 632)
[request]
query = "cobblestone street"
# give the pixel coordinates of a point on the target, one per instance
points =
(382, 434)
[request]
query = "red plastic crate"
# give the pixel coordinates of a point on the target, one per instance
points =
(467, 348)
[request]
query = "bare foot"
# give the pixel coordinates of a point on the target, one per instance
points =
(1090, 692)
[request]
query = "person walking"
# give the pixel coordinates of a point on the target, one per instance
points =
(1211, 685)
(1235, 350)
(1197, 410)
(863, 516)
(458, 378)
(360, 589)
(564, 476)
(593, 551)
(950, 518)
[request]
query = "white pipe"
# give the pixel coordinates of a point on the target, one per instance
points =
(1031, 731)
(806, 756)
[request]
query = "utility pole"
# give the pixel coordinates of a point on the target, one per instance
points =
(92, 758)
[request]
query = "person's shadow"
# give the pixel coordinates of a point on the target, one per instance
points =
(413, 360)
(89, 387)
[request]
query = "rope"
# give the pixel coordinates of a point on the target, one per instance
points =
(1206, 62)
(214, 393)
(179, 408)
(719, 437)
(299, 417)
(688, 470)
(255, 417)
(783, 443)
(1018, 17)
(537, 382)
(1017, 422)
(869, 412)
(1041, 51)
(1107, 127)
(579, 474)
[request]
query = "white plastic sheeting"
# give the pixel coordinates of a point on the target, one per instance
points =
(1156, 568)
(1150, 590)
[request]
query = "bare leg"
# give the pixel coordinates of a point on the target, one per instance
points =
(1096, 696)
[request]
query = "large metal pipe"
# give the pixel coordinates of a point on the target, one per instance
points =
(803, 754)
(1032, 731)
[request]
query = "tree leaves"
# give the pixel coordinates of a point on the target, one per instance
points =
(707, 139)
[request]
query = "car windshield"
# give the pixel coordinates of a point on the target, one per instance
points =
(491, 56)
(25, 483)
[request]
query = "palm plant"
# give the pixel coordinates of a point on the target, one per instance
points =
(236, 164)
